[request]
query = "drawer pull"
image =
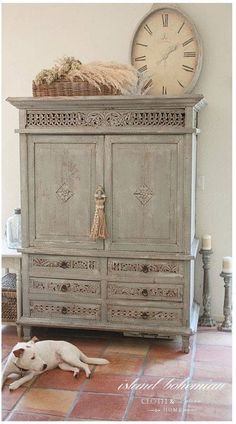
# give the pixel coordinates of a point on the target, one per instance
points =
(64, 310)
(144, 292)
(64, 288)
(64, 264)
(145, 268)
(144, 315)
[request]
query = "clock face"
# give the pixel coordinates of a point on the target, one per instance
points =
(167, 49)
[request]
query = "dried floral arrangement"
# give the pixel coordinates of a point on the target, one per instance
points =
(121, 78)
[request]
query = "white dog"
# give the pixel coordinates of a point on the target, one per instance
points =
(30, 359)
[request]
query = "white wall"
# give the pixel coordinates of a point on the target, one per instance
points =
(34, 35)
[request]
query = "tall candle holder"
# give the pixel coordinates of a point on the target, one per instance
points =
(226, 325)
(205, 320)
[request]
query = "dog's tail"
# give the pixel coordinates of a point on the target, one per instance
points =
(93, 361)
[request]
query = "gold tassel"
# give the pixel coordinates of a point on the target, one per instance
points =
(99, 230)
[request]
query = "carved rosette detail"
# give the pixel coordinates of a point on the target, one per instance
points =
(118, 313)
(64, 193)
(173, 294)
(172, 268)
(143, 194)
(83, 288)
(44, 309)
(143, 118)
(72, 264)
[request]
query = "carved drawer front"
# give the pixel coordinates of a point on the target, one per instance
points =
(145, 315)
(73, 288)
(61, 265)
(164, 292)
(146, 268)
(45, 309)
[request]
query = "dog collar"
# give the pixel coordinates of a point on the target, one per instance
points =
(21, 369)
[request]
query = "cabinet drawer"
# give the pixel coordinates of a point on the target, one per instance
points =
(45, 309)
(164, 292)
(75, 288)
(64, 265)
(144, 315)
(146, 268)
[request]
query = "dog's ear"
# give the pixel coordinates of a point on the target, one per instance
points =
(18, 352)
(34, 340)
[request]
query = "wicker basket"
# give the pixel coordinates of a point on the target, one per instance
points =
(72, 88)
(9, 305)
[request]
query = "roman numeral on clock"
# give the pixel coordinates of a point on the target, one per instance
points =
(187, 68)
(181, 85)
(187, 42)
(149, 31)
(181, 27)
(140, 59)
(148, 84)
(165, 20)
(189, 54)
(141, 44)
(164, 90)
(143, 68)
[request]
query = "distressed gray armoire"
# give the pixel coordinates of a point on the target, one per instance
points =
(142, 151)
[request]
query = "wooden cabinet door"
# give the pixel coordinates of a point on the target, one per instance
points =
(144, 187)
(64, 171)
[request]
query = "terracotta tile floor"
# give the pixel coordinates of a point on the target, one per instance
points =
(145, 381)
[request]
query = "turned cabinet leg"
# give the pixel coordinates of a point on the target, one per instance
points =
(19, 330)
(185, 344)
(26, 333)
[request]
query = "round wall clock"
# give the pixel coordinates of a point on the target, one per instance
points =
(167, 48)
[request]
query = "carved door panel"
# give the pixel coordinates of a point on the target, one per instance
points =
(144, 182)
(64, 171)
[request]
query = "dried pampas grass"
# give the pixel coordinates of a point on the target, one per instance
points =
(123, 78)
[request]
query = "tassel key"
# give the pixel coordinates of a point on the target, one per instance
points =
(98, 230)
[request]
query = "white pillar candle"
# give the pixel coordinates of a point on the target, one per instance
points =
(206, 242)
(227, 264)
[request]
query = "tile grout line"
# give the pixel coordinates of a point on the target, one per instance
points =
(36, 413)
(85, 382)
(28, 387)
(132, 394)
(77, 398)
(192, 364)
(81, 391)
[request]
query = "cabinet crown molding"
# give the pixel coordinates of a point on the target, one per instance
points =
(109, 102)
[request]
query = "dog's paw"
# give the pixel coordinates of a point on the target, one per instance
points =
(76, 373)
(34, 339)
(13, 386)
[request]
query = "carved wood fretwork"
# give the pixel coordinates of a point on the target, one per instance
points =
(144, 118)
(119, 313)
(41, 308)
(82, 288)
(164, 267)
(172, 294)
(64, 264)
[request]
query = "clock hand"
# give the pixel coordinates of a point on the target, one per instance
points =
(170, 50)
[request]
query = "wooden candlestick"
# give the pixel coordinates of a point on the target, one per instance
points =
(226, 325)
(205, 319)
